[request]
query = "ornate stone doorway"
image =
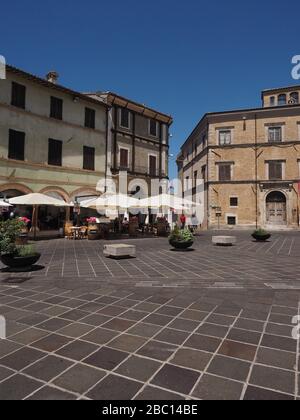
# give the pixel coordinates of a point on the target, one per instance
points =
(276, 212)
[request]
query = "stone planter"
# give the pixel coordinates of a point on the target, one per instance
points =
(261, 238)
(19, 262)
(94, 231)
(181, 244)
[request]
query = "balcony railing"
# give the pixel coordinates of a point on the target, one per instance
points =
(143, 170)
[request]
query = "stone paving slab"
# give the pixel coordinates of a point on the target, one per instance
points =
(115, 336)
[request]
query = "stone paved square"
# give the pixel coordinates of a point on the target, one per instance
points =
(199, 325)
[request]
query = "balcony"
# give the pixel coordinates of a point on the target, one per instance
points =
(141, 170)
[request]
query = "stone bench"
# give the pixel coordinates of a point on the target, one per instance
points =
(224, 240)
(119, 251)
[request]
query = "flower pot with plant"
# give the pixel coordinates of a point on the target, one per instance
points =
(181, 238)
(93, 228)
(261, 235)
(11, 254)
(22, 239)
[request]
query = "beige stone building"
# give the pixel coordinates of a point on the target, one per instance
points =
(249, 160)
(138, 141)
(61, 142)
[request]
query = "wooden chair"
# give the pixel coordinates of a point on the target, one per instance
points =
(69, 234)
(83, 232)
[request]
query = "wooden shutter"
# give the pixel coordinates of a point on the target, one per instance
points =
(56, 108)
(18, 95)
(125, 118)
(55, 152)
(16, 145)
(153, 128)
(124, 158)
(275, 170)
(225, 172)
(89, 158)
(152, 165)
(90, 117)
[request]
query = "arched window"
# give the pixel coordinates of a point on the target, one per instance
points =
(272, 101)
(282, 99)
(294, 97)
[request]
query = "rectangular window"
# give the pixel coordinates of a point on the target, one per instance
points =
(90, 117)
(124, 159)
(124, 118)
(234, 201)
(203, 172)
(89, 158)
(225, 172)
(275, 135)
(224, 137)
(55, 152)
(56, 108)
(152, 166)
(275, 170)
(16, 145)
(195, 178)
(18, 95)
(153, 128)
(231, 220)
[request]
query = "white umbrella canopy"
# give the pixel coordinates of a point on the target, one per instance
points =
(111, 201)
(166, 200)
(37, 199)
(4, 204)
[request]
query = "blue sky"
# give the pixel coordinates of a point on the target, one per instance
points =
(183, 58)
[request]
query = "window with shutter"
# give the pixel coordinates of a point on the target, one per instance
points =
(56, 108)
(225, 172)
(16, 145)
(89, 158)
(275, 134)
(152, 166)
(18, 95)
(90, 117)
(124, 118)
(55, 152)
(224, 137)
(153, 128)
(124, 159)
(275, 170)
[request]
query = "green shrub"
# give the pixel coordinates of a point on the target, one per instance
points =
(9, 232)
(181, 235)
(26, 250)
(260, 232)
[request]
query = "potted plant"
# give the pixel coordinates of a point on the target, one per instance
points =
(181, 238)
(261, 235)
(11, 254)
(93, 229)
(22, 239)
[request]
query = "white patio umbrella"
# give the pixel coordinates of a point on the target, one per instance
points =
(111, 201)
(35, 200)
(4, 204)
(164, 200)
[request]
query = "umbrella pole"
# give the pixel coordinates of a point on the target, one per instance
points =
(34, 217)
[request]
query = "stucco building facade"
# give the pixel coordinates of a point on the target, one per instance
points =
(249, 163)
(57, 141)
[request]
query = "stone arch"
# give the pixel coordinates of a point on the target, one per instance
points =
(83, 191)
(57, 190)
(14, 186)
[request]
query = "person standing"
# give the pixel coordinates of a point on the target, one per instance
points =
(183, 221)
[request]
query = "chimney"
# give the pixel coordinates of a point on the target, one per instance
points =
(52, 77)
